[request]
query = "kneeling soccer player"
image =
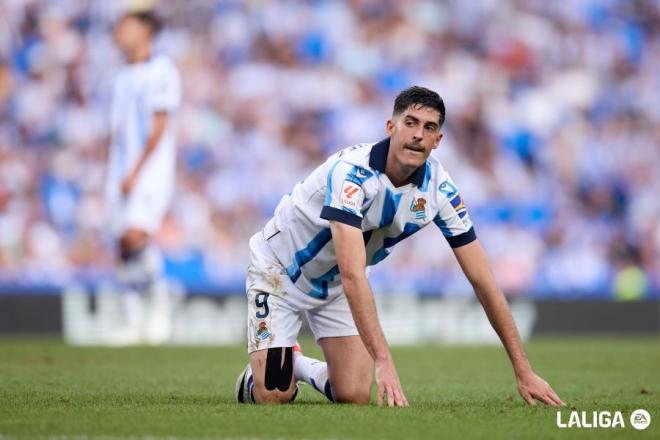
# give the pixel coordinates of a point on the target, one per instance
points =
(311, 258)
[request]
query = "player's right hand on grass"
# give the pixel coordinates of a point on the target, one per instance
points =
(388, 384)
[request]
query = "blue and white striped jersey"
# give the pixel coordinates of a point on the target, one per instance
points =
(351, 187)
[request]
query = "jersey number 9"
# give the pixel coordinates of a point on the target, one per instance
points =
(261, 301)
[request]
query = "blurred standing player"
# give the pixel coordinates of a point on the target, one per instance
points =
(311, 259)
(141, 174)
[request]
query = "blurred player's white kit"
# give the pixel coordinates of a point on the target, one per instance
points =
(141, 90)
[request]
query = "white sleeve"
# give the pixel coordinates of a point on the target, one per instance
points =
(453, 218)
(345, 193)
(165, 87)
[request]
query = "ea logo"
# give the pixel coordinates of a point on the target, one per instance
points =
(640, 419)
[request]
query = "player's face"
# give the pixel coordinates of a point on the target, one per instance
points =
(130, 33)
(413, 135)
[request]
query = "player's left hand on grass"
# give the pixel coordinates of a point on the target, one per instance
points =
(532, 388)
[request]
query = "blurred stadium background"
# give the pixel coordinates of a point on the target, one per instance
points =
(552, 135)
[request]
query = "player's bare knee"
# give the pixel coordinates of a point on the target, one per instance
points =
(355, 396)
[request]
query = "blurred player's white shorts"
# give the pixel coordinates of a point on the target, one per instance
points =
(144, 209)
(276, 305)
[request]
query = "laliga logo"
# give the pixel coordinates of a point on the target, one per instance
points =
(639, 419)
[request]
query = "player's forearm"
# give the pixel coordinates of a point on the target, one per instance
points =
(148, 150)
(475, 265)
(160, 122)
(363, 308)
(499, 314)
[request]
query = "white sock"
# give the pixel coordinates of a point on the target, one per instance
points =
(250, 386)
(159, 293)
(145, 299)
(158, 325)
(133, 305)
(313, 372)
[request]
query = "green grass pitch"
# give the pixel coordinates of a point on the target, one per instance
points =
(51, 390)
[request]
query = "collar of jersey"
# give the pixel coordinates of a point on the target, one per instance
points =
(378, 161)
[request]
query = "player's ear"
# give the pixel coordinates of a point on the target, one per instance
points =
(389, 127)
(437, 139)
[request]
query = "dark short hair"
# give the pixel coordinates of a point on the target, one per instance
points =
(419, 96)
(148, 18)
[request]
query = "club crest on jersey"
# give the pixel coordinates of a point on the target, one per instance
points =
(262, 331)
(418, 208)
(352, 196)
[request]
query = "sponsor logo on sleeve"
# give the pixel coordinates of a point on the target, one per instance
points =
(448, 189)
(352, 195)
(459, 206)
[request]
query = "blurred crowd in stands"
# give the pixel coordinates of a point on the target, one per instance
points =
(552, 133)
